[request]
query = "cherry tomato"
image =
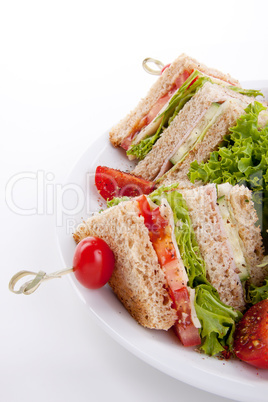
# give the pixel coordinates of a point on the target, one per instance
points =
(93, 262)
(114, 183)
(251, 336)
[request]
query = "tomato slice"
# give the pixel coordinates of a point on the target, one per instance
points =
(251, 336)
(114, 183)
(184, 328)
(165, 67)
(161, 238)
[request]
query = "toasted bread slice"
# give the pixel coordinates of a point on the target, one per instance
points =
(137, 280)
(160, 88)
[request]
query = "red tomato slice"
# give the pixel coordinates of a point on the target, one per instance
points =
(165, 67)
(165, 98)
(160, 236)
(114, 183)
(153, 220)
(181, 79)
(251, 336)
(188, 335)
(155, 110)
(184, 327)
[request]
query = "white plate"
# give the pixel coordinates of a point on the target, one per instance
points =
(231, 379)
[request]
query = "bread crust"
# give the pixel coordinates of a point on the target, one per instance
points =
(163, 84)
(137, 280)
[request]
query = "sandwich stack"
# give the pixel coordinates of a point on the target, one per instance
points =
(182, 257)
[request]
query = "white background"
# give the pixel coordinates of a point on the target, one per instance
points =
(68, 71)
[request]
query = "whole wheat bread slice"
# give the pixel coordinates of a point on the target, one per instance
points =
(137, 280)
(160, 88)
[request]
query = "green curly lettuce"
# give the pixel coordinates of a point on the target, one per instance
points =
(116, 200)
(217, 320)
(247, 92)
(242, 157)
(257, 293)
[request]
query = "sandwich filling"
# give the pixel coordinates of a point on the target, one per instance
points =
(160, 224)
(230, 226)
(156, 108)
(143, 141)
(194, 136)
(216, 318)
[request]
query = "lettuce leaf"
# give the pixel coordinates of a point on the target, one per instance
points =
(177, 102)
(141, 149)
(116, 200)
(247, 92)
(243, 155)
(257, 293)
(217, 319)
